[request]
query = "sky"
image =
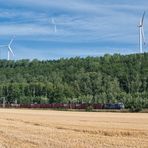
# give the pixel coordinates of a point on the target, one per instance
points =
(84, 27)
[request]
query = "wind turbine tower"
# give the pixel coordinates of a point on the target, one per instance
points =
(141, 34)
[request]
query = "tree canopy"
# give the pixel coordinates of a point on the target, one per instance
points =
(111, 78)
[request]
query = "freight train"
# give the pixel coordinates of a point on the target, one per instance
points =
(69, 106)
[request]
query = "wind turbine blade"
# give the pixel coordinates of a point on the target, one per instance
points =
(53, 22)
(11, 50)
(3, 45)
(142, 18)
(55, 28)
(11, 41)
(143, 36)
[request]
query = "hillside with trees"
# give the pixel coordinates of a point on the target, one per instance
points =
(111, 78)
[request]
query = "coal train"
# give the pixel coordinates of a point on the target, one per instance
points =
(69, 106)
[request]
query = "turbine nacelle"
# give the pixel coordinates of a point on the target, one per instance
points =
(139, 26)
(142, 20)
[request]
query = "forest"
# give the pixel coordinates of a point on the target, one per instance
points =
(110, 78)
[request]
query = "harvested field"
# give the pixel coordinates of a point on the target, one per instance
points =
(46, 128)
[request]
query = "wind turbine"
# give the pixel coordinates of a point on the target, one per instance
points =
(53, 22)
(141, 33)
(10, 52)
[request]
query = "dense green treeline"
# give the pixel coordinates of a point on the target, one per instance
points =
(117, 78)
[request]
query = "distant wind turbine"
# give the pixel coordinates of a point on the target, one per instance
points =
(55, 27)
(10, 51)
(141, 33)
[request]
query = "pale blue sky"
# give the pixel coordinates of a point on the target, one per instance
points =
(84, 27)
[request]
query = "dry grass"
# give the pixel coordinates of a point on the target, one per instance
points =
(37, 128)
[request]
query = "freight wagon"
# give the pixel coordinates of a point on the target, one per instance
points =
(71, 106)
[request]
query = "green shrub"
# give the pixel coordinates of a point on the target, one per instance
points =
(89, 108)
(136, 108)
